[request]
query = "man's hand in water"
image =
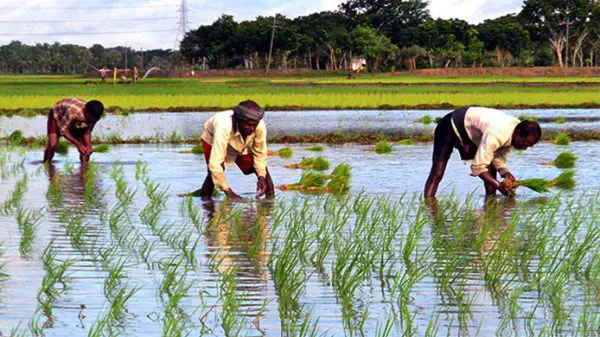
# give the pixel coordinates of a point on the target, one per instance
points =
(510, 182)
(261, 187)
(232, 196)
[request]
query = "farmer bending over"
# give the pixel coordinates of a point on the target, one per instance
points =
(484, 136)
(73, 119)
(239, 136)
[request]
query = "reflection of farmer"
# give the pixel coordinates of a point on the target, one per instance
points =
(74, 119)
(484, 136)
(103, 73)
(236, 136)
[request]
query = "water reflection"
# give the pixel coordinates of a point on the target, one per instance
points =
(74, 187)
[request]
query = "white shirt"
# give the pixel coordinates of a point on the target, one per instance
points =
(491, 130)
(227, 144)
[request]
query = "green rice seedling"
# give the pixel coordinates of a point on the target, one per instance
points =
(321, 164)
(141, 170)
(312, 179)
(15, 137)
(383, 147)
(560, 120)
(565, 180)
(565, 160)
(285, 152)
(425, 120)
(77, 232)
(288, 278)
(118, 304)
(406, 141)
(54, 193)
(28, 221)
(102, 148)
(305, 164)
(535, 184)
(316, 148)
(437, 120)
(198, 149)
(62, 148)
(3, 275)
(68, 167)
(340, 181)
(523, 118)
(562, 138)
(55, 273)
(232, 320)
(15, 197)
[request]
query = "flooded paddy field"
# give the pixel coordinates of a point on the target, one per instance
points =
(161, 126)
(111, 250)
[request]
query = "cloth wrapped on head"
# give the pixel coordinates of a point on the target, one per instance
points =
(243, 113)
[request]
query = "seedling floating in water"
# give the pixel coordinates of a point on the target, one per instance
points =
(562, 138)
(316, 148)
(337, 182)
(318, 164)
(565, 160)
(425, 119)
(286, 152)
(382, 147)
(62, 148)
(197, 150)
(406, 141)
(101, 148)
(565, 180)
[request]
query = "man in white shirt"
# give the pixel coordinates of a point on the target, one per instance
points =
(236, 136)
(484, 136)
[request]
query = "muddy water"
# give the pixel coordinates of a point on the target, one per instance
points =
(293, 122)
(401, 172)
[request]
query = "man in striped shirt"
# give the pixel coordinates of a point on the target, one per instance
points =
(74, 119)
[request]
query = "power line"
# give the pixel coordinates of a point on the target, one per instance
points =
(87, 21)
(90, 33)
(38, 8)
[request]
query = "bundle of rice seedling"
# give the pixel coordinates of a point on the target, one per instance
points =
(305, 164)
(102, 148)
(198, 149)
(62, 147)
(285, 152)
(536, 185)
(406, 141)
(523, 118)
(316, 148)
(564, 160)
(562, 138)
(312, 179)
(561, 120)
(383, 147)
(565, 180)
(16, 137)
(340, 181)
(321, 164)
(425, 119)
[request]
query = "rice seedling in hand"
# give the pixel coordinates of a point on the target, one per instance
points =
(62, 148)
(383, 147)
(561, 138)
(102, 148)
(565, 180)
(316, 148)
(285, 152)
(565, 160)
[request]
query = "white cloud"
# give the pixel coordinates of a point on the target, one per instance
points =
(30, 12)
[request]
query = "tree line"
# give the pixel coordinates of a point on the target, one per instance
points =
(44, 58)
(401, 34)
(390, 35)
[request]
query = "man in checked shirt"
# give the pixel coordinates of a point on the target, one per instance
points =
(74, 119)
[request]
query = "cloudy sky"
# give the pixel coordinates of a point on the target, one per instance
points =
(153, 23)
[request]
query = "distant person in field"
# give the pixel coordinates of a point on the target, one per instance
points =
(103, 73)
(485, 137)
(236, 136)
(74, 119)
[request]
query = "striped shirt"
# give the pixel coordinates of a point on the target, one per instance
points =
(69, 113)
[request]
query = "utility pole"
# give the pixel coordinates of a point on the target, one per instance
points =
(271, 46)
